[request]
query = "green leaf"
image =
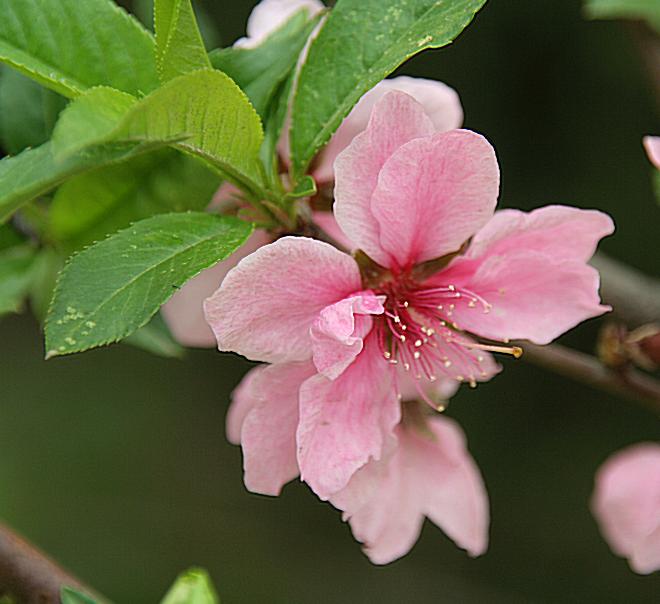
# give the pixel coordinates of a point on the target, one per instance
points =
(192, 587)
(156, 338)
(261, 70)
(47, 266)
(70, 46)
(9, 237)
(91, 119)
(179, 45)
(15, 277)
(213, 112)
(27, 111)
(36, 171)
(91, 206)
(647, 10)
(109, 290)
(68, 595)
(360, 43)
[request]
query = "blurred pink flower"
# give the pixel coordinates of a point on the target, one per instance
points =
(652, 146)
(626, 503)
(339, 340)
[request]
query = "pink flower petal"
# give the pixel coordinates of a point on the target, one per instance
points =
(337, 334)
(652, 146)
(440, 102)
(396, 119)
(270, 15)
(562, 232)
(243, 399)
(429, 475)
(626, 503)
(433, 194)
(328, 223)
(344, 423)
(268, 433)
(533, 296)
(184, 311)
(267, 304)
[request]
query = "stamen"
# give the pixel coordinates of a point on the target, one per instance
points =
(514, 351)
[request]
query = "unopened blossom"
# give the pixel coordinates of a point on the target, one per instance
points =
(270, 15)
(652, 147)
(626, 504)
(440, 277)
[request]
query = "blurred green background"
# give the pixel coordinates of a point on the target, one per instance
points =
(116, 463)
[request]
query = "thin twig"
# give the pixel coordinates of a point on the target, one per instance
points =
(29, 575)
(628, 383)
(634, 296)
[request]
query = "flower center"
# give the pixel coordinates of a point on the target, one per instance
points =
(418, 332)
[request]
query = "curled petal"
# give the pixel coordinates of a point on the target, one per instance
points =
(626, 503)
(184, 311)
(268, 431)
(344, 423)
(440, 102)
(269, 15)
(328, 223)
(396, 119)
(433, 194)
(562, 232)
(243, 399)
(337, 334)
(428, 474)
(267, 304)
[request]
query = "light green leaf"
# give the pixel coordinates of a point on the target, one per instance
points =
(27, 111)
(647, 10)
(72, 45)
(36, 171)
(68, 595)
(179, 45)
(91, 206)
(109, 290)
(192, 587)
(91, 119)
(15, 276)
(260, 71)
(156, 338)
(215, 115)
(360, 43)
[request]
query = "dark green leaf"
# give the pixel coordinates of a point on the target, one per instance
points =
(47, 266)
(260, 71)
(192, 587)
(156, 338)
(91, 206)
(15, 277)
(360, 43)
(27, 111)
(109, 290)
(179, 45)
(72, 45)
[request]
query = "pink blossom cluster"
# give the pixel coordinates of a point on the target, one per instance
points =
(362, 345)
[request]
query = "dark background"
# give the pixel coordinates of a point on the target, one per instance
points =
(115, 462)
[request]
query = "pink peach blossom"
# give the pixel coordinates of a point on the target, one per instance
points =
(626, 503)
(422, 473)
(445, 270)
(652, 147)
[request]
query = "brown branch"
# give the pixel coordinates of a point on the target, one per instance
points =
(29, 575)
(634, 296)
(628, 383)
